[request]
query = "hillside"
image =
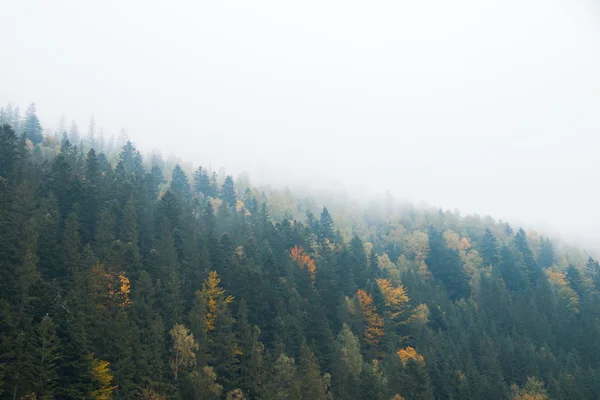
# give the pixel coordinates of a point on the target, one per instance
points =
(117, 282)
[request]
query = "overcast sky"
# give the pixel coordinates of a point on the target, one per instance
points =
(485, 106)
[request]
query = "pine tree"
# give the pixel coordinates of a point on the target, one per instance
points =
(326, 225)
(446, 265)
(546, 257)
(179, 183)
(91, 201)
(33, 128)
(575, 279)
(8, 153)
(489, 248)
(312, 384)
(228, 191)
(593, 271)
(44, 355)
(532, 269)
(202, 182)
(91, 134)
(511, 270)
(74, 133)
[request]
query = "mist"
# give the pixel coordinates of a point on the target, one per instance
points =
(487, 107)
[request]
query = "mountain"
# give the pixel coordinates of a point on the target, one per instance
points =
(125, 277)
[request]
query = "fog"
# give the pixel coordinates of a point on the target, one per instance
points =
(485, 106)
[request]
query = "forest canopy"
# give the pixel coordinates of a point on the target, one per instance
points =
(125, 277)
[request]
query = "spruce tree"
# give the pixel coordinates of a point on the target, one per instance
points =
(44, 355)
(33, 128)
(446, 265)
(326, 228)
(8, 153)
(489, 248)
(228, 191)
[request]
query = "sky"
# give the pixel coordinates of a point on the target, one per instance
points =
(489, 107)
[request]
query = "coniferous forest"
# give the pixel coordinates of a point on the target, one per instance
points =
(128, 277)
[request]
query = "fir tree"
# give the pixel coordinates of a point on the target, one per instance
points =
(44, 355)
(228, 191)
(33, 128)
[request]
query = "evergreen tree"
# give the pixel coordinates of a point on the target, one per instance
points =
(44, 355)
(179, 183)
(532, 269)
(33, 128)
(326, 225)
(546, 257)
(593, 270)
(489, 248)
(91, 202)
(8, 153)
(228, 191)
(312, 384)
(446, 265)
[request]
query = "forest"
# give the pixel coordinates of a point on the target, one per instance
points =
(124, 276)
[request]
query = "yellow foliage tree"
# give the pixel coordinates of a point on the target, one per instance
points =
(409, 353)
(102, 378)
(396, 298)
(532, 390)
(304, 260)
(119, 288)
(452, 239)
(214, 297)
(374, 322)
(183, 349)
(556, 277)
(111, 286)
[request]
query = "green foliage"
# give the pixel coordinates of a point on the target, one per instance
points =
(44, 354)
(446, 265)
(143, 278)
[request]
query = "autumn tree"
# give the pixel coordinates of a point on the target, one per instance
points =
(532, 390)
(373, 331)
(183, 356)
(396, 298)
(304, 260)
(214, 313)
(102, 379)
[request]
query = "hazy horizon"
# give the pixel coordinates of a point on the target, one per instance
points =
(483, 107)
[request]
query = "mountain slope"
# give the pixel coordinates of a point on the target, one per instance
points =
(116, 283)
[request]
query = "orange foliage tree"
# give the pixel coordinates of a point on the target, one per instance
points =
(396, 298)
(409, 353)
(304, 260)
(111, 285)
(374, 322)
